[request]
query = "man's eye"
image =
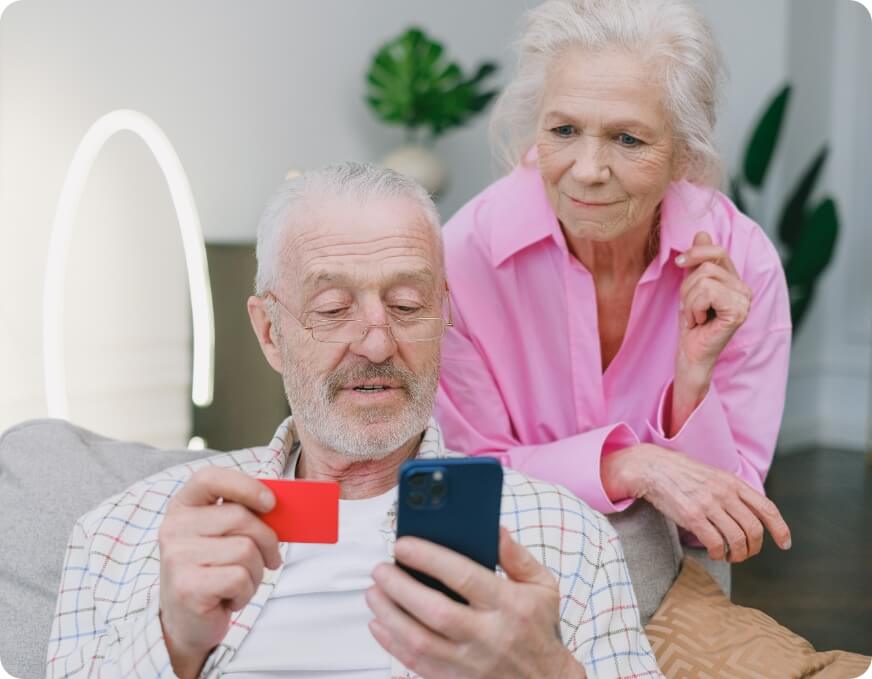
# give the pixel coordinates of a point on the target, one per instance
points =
(628, 140)
(336, 312)
(563, 131)
(404, 310)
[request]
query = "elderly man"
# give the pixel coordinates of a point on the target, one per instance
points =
(179, 576)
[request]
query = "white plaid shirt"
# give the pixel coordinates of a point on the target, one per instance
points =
(106, 620)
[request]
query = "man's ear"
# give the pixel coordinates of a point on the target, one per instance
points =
(261, 323)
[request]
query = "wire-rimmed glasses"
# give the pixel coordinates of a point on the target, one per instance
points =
(351, 330)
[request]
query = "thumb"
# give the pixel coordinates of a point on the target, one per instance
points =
(518, 563)
(702, 238)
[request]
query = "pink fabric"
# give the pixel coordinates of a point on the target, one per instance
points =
(521, 369)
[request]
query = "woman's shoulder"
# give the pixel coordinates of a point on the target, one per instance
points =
(707, 209)
(501, 206)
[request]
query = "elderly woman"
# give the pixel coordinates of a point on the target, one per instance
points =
(621, 328)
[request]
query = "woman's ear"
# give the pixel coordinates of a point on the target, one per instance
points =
(267, 334)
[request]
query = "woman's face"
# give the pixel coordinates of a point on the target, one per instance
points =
(605, 145)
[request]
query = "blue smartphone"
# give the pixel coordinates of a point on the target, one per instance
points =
(454, 502)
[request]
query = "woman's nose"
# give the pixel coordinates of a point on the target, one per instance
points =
(590, 165)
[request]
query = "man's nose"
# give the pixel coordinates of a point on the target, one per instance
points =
(378, 344)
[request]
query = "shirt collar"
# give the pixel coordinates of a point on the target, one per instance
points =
(524, 216)
(684, 210)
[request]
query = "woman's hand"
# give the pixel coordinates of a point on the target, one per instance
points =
(714, 302)
(725, 513)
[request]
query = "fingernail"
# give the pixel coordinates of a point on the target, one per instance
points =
(267, 500)
(786, 544)
(681, 259)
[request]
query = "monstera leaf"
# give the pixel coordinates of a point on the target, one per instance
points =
(410, 83)
(808, 235)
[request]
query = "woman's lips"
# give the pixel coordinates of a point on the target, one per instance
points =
(584, 203)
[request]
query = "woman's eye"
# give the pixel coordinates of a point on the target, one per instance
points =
(628, 140)
(563, 131)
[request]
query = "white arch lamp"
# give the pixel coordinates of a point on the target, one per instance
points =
(192, 241)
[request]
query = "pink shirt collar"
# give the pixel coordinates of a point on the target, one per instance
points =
(683, 213)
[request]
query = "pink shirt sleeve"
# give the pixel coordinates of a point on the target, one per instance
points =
(470, 411)
(736, 425)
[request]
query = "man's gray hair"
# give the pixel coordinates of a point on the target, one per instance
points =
(672, 33)
(360, 181)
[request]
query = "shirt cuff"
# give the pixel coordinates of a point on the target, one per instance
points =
(574, 462)
(705, 436)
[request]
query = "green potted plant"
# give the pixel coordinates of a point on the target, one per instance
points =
(806, 232)
(411, 83)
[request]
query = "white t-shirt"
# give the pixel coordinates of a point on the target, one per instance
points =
(314, 625)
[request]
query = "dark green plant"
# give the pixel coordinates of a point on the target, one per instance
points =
(410, 83)
(807, 233)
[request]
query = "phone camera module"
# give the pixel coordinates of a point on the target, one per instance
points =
(416, 499)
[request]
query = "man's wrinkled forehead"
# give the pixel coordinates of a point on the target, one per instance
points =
(341, 237)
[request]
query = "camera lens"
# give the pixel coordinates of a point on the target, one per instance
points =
(418, 480)
(437, 489)
(416, 499)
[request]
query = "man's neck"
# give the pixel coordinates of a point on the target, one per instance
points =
(358, 479)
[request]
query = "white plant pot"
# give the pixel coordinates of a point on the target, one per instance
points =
(419, 163)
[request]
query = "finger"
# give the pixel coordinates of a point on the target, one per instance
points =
(715, 272)
(225, 520)
(729, 306)
(435, 610)
(696, 255)
(749, 524)
(698, 302)
(519, 564)
(709, 536)
(211, 587)
(234, 550)
(702, 238)
(475, 583)
(733, 535)
(768, 513)
(404, 637)
(209, 484)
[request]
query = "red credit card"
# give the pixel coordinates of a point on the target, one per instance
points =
(305, 511)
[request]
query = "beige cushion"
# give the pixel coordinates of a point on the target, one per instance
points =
(698, 632)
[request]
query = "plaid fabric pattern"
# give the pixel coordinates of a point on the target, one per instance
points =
(106, 620)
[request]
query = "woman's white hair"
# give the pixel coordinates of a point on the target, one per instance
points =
(360, 181)
(672, 33)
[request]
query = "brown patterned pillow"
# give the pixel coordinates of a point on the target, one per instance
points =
(699, 632)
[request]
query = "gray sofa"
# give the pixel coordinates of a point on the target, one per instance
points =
(52, 472)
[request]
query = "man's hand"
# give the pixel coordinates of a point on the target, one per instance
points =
(725, 513)
(212, 558)
(510, 628)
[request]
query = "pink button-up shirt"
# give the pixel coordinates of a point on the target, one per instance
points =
(521, 372)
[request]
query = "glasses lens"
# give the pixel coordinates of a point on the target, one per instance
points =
(338, 331)
(417, 329)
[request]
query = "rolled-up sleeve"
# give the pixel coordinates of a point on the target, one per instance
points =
(736, 425)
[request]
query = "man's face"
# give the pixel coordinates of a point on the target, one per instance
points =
(375, 261)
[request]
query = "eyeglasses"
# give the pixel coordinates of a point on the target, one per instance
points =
(351, 330)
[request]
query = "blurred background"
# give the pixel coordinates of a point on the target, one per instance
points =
(247, 91)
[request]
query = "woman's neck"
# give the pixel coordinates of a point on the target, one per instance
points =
(624, 258)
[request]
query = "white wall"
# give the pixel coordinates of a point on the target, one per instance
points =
(831, 66)
(245, 90)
